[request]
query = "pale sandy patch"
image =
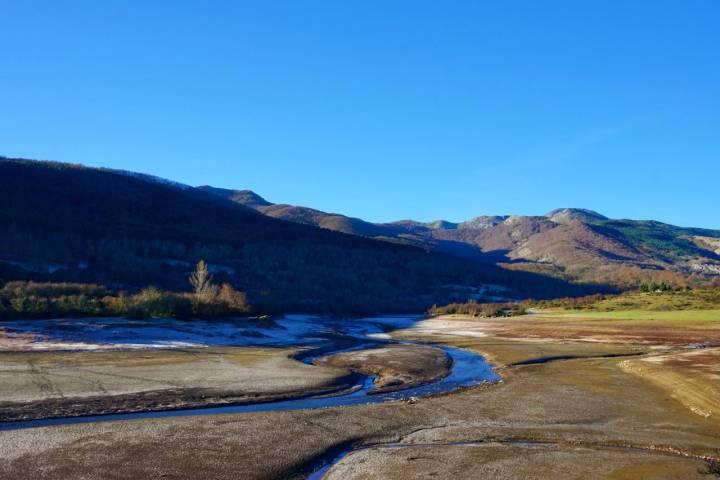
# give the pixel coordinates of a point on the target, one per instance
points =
(442, 326)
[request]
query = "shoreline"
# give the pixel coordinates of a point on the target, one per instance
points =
(155, 401)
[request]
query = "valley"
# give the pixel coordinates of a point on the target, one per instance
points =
(594, 406)
(559, 346)
(360, 240)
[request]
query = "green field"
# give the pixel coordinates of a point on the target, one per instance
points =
(688, 315)
(692, 304)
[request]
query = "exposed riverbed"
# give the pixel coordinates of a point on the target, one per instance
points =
(435, 369)
(588, 409)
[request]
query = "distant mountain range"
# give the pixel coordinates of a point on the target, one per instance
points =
(572, 243)
(62, 222)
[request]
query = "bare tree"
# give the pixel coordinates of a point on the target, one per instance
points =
(201, 281)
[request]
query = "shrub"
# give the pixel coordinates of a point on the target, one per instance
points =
(53, 300)
(151, 302)
(476, 309)
(19, 288)
(712, 466)
(227, 302)
(232, 299)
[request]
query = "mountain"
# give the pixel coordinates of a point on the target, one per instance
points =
(571, 243)
(568, 215)
(304, 215)
(62, 222)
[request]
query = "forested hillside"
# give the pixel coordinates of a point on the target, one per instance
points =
(61, 222)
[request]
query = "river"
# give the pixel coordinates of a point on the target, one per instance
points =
(321, 336)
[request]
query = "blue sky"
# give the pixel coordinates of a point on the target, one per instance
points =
(381, 109)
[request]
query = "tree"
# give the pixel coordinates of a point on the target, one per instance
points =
(201, 281)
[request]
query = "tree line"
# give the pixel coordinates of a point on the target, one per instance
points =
(28, 299)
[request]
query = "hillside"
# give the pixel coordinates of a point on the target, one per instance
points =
(61, 222)
(305, 215)
(575, 244)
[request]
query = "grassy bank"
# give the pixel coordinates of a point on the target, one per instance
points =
(690, 304)
(672, 315)
(655, 301)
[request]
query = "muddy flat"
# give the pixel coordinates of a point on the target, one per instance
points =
(45, 385)
(691, 377)
(655, 328)
(508, 460)
(395, 367)
(585, 416)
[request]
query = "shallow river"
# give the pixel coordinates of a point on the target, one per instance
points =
(321, 335)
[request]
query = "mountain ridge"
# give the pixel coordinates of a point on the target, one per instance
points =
(64, 222)
(574, 243)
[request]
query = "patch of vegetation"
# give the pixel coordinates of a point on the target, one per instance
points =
(54, 300)
(659, 299)
(475, 309)
(712, 466)
(701, 316)
(659, 239)
(658, 303)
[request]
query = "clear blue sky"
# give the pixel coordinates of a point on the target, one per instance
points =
(381, 109)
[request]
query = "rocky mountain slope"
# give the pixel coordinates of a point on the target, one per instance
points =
(576, 244)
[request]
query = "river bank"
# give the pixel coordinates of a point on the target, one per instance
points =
(394, 367)
(583, 417)
(60, 384)
(334, 363)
